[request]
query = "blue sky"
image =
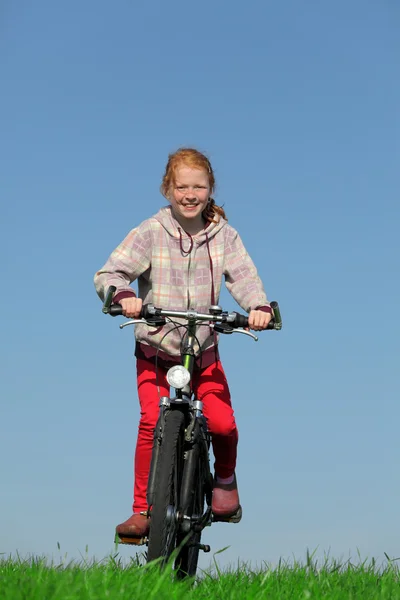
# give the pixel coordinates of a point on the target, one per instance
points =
(296, 105)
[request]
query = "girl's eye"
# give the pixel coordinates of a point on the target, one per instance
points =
(183, 188)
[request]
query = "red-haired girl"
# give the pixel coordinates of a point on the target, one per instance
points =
(179, 258)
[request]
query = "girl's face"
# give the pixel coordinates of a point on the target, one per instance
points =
(190, 192)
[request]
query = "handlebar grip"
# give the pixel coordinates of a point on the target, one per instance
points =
(240, 321)
(277, 315)
(108, 299)
(275, 323)
(115, 310)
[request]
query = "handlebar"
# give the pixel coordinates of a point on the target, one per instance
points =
(224, 322)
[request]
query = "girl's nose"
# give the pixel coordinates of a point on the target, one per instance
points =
(190, 193)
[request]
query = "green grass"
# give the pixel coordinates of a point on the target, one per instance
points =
(35, 578)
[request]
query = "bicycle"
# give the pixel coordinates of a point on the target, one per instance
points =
(180, 483)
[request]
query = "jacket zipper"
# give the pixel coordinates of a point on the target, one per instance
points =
(188, 288)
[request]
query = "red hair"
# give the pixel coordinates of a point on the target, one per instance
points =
(190, 157)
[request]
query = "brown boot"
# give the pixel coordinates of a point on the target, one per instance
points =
(136, 526)
(225, 499)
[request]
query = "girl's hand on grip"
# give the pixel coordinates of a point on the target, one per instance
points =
(131, 307)
(258, 320)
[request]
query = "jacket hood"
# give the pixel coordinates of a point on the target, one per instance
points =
(166, 218)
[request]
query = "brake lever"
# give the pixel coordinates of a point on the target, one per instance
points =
(151, 322)
(255, 338)
(132, 322)
(227, 329)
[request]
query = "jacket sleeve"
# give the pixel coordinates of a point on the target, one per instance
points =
(241, 277)
(127, 262)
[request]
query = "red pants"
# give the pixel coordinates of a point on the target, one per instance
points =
(211, 387)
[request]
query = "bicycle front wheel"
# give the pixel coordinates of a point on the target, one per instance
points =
(195, 490)
(186, 563)
(163, 525)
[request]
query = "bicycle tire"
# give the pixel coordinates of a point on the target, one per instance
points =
(186, 563)
(163, 531)
(193, 504)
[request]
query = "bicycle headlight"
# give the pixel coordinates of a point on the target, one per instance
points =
(178, 377)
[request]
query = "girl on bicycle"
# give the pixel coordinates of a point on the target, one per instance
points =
(179, 258)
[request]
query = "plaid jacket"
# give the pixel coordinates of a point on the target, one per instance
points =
(177, 280)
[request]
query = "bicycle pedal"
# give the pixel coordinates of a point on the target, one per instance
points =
(130, 540)
(235, 518)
